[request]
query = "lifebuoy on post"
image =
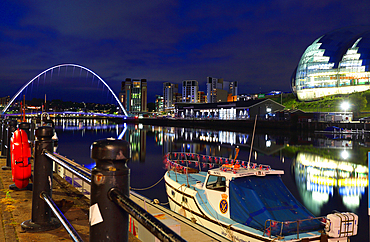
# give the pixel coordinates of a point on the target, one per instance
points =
(20, 151)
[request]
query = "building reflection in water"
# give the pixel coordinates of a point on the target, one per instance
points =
(319, 178)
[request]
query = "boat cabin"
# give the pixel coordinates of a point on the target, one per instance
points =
(217, 183)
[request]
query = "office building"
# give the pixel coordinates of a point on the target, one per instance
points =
(219, 90)
(159, 103)
(133, 95)
(190, 91)
(169, 95)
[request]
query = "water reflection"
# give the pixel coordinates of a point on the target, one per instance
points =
(318, 178)
(321, 172)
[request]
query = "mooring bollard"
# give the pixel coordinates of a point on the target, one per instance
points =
(1, 130)
(107, 221)
(41, 219)
(3, 140)
(11, 127)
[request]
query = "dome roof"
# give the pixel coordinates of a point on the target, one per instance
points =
(336, 63)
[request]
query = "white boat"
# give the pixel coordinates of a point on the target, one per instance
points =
(246, 202)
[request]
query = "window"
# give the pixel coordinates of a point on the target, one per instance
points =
(217, 183)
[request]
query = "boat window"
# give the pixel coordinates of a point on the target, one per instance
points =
(217, 183)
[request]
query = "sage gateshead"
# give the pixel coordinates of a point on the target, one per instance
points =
(335, 63)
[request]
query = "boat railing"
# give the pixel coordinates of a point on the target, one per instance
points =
(270, 223)
(182, 157)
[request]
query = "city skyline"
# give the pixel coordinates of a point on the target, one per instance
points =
(256, 44)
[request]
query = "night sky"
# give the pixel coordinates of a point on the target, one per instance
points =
(257, 43)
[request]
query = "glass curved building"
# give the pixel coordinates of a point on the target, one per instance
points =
(335, 63)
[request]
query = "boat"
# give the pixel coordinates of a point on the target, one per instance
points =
(246, 201)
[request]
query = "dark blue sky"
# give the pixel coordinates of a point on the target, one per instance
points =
(257, 43)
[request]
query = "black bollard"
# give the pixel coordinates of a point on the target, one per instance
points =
(107, 221)
(12, 125)
(1, 130)
(4, 139)
(32, 131)
(41, 219)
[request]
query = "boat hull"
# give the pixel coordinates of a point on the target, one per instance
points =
(184, 201)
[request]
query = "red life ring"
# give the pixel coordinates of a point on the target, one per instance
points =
(20, 151)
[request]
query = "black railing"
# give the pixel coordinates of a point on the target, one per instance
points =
(54, 208)
(80, 174)
(157, 228)
(110, 177)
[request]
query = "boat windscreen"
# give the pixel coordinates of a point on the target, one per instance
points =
(255, 199)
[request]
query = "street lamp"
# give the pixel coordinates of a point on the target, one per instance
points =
(345, 106)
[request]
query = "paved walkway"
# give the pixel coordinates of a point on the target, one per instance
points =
(16, 207)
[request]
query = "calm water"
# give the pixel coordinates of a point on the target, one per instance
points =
(323, 173)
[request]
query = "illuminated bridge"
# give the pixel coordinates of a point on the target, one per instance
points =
(74, 69)
(71, 114)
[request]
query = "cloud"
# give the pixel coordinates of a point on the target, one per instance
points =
(257, 43)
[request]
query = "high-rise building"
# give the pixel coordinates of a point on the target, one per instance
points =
(213, 84)
(219, 90)
(190, 91)
(233, 88)
(169, 92)
(133, 95)
(159, 103)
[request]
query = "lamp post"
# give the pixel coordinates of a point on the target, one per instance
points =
(345, 107)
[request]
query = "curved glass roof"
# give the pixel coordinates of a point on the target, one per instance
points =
(335, 63)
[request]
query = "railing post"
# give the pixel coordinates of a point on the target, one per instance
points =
(32, 131)
(41, 219)
(2, 123)
(4, 140)
(1, 129)
(12, 126)
(107, 221)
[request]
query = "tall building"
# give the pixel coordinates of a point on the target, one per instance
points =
(219, 90)
(336, 63)
(169, 95)
(190, 91)
(213, 84)
(159, 103)
(233, 88)
(133, 95)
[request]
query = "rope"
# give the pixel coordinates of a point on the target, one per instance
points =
(141, 189)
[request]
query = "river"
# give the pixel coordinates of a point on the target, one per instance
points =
(324, 173)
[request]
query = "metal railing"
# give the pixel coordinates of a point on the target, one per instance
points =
(157, 228)
(54, 208)
(152, 224)
(101, 151)
(79, 173)
(270, 223)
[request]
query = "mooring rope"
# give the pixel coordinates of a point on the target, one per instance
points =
(141, 189)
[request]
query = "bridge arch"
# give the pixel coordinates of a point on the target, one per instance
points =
(58, 66)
